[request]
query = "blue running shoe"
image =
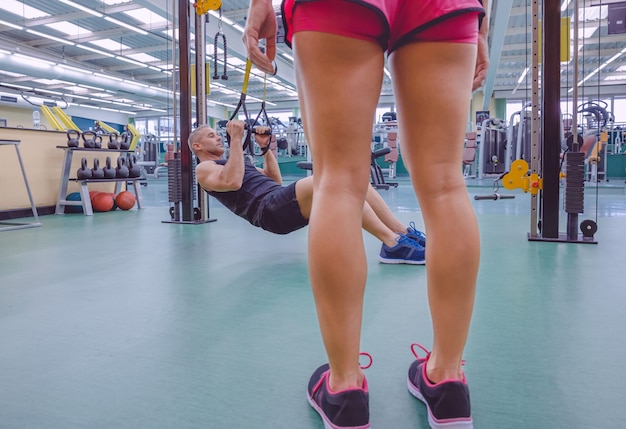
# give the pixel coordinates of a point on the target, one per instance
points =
(448, 402)
(415, 234)
(348, 409)
(406, 251)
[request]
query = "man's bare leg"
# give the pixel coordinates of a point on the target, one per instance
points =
(371, 221)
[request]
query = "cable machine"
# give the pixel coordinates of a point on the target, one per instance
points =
(182, 186)
(542, 177)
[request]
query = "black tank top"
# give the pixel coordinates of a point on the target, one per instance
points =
(245, 201)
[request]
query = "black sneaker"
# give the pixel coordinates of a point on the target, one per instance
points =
(448, 402)
(348, 409)
(415, 234)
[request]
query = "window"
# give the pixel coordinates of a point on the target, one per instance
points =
(619, 109)
(513, 106)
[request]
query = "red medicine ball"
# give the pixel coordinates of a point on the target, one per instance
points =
(102, 202)
(125, 200)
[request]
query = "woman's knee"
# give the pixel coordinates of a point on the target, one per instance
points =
(438, 185)
(345, 175)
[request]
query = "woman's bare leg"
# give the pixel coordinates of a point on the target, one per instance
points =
(432, 83)
(338, 75)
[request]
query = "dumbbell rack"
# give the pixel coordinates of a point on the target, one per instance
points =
(84, 190)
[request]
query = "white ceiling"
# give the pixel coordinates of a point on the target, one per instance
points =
(114, 54)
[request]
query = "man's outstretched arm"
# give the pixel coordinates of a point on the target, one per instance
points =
(270, 164)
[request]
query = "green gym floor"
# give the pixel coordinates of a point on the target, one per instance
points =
(120, 321)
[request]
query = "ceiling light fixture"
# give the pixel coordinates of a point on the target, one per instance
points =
(72, 68)
(131, 61)
(48, 91)
(47, 36)
(76, 96)
(104, 76)
(123, 24)
(139, 106)
(597, 70)
(223, 104)
(81, 7)
(24, 59)
(88, 105)
(90, 87)
(12, 85)
(523, 76)
(8, 24)
(96, 51)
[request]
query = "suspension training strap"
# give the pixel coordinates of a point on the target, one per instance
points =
(266, 119)
(242, 105)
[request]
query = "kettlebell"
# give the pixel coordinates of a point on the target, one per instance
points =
(113, 141)
(96, 171)
(133, 169)
(122, 170)
(72, 138)
(98, 142)
(109, 172)
(126, 139)
(83, 172)
(89, 139)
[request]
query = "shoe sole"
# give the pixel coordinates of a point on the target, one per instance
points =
(454, 424)
(328, 424)
(400, 261)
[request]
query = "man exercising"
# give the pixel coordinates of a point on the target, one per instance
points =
(258, 196)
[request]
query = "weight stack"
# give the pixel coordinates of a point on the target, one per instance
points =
(574, 200)
(150, 155)
(173, 180)
(194, 164)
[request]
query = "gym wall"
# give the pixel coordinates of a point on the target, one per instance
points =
(43, 163)
(19, 117)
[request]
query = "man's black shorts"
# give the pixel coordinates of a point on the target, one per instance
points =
(279, 211)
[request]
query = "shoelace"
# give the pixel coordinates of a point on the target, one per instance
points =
(405, 239)
(413, 230)
(369, 356)
(416, 353)
(327, 373)
(418, 357)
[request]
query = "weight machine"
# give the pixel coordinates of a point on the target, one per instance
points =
(596, 123)
(385, 133)
(519, 136)
(492, 147)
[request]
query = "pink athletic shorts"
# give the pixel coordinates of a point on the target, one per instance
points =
(390, 23)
